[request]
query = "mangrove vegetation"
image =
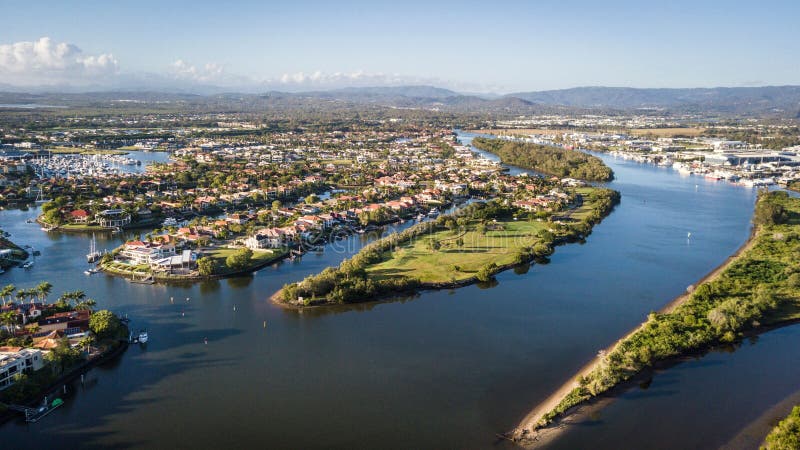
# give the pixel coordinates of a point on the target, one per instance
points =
(547, 159)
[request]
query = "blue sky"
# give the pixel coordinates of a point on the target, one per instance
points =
(470, 46)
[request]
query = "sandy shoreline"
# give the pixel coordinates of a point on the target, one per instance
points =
(526, 434)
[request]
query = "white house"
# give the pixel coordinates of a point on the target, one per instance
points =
(16, 360)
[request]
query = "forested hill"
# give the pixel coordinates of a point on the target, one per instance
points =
(770, 101)
(763, 100)
(547, 159)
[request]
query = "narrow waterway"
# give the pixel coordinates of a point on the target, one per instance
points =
(443, 369)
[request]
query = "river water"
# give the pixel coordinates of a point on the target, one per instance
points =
(444, 369)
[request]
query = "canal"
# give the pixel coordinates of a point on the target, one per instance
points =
(441, 369)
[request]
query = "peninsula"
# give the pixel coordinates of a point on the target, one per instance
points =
(523, 222)
(757, 288)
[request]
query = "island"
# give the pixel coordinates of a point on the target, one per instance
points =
(547, 159)
(468, 246)
(43, 345)
(757, 289)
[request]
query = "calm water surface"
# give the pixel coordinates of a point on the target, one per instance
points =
(446, 369)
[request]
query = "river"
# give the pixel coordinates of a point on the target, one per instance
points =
(442, 369)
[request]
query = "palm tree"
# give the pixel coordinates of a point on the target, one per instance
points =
(43, 290)
(85, 305)
(9, 320)
(6, 292)
(72, 296)
(87, 343)
(21, 295)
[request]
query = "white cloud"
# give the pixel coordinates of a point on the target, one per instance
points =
(209, 73)
(47, 62)
(320, 80)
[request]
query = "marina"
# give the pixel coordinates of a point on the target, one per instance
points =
(67, 166)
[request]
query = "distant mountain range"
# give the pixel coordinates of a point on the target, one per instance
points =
(777, 101)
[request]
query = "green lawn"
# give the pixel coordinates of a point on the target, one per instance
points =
(417, 260)
(220, 254)
(81, 227)
(587, 207)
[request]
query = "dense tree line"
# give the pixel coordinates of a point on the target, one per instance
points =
(547, 159)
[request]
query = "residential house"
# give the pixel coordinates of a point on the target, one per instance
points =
(16, 360)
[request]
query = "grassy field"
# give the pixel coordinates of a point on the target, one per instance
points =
(667, 132)
(220, 254)
(416, 259)
(81, 227)
(582, 212)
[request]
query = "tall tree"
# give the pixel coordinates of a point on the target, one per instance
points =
(6, 291)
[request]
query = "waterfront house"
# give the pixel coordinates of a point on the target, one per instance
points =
(113, 218)
(266, 238)
(65, 320)
(138, 252)
(186, 260)
(79, 216)
(17, 360)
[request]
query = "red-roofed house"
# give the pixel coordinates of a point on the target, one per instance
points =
(79, 216)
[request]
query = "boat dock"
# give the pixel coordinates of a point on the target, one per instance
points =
(36, 414)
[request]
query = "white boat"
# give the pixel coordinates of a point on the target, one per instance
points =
(27, 264)
(143, 337)
(93, 254)
(170, 222)
(91, 271)
(434, 212)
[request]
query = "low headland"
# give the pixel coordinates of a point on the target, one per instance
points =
(755, 290)
(466, 247)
